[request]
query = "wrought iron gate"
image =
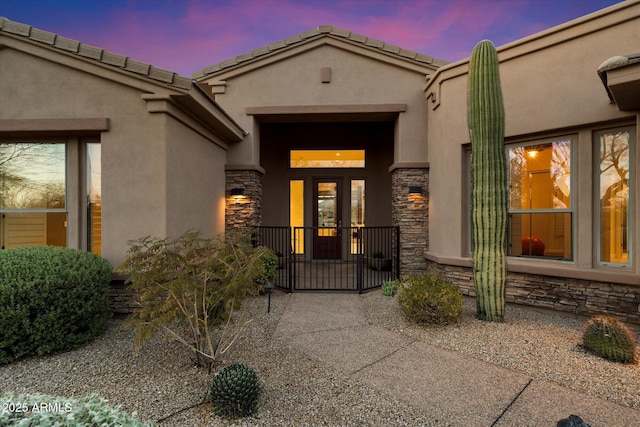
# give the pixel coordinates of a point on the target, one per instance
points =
(333, 258)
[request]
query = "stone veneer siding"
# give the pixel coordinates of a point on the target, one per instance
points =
(243, 212)
(411, 213)
(583, 297)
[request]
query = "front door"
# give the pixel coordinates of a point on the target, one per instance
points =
(327, 195)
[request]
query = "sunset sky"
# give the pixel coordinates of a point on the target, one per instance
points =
(187, 35)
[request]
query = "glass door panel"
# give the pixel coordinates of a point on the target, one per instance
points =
(327, 218)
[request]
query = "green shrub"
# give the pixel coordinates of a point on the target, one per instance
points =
(188, 288)
(389, 288)
(234, 391)
(43, 410)
(269, 261)
(53, 298)
(611, 339)
(430, 299)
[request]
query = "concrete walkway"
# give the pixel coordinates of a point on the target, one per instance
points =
(453, 388)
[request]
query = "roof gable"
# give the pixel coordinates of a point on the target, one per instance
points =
(408, 58)
(90, 53)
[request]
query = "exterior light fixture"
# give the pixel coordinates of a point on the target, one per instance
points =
(237, 191)
(415, 189)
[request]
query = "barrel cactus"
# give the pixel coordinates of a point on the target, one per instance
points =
(489, 188)
(611, 339)
(234, 391)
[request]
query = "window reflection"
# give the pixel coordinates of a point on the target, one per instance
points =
(614, 197)
(540, 200)
(32, 194)
(32, 176)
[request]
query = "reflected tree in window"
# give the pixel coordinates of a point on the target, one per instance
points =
(32, 175)
(614, 196)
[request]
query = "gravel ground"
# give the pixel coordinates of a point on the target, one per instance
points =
(161, 381)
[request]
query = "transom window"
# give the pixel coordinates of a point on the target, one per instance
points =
(326, 158)
(540, 206)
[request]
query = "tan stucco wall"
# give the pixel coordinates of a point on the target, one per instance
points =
(550, 87)
(158, 176)
(293, 78)
(195, 182)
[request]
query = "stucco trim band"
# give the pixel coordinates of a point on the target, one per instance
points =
(408, 165)
(327, 109)
(244, 168)
(543, 268)
(69, 126)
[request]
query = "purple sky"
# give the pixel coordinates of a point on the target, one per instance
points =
(187, 35)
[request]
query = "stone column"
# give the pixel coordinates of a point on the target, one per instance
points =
(243, 212)
(410, 211)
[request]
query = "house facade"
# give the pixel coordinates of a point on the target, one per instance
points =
(331, 129)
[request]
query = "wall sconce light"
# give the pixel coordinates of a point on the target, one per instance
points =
(415, 189)
(237, 191)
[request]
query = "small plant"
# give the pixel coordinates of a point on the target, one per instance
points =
(389, 288)
(234, 391)
(611, 339)
(269, 261)
(44, 410)
(51, 299)
(189, 288)
(430, 299)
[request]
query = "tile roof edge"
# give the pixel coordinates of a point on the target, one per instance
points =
(321, 31)
(110, 59)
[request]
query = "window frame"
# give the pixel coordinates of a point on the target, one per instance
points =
(572, 139)
(631, 201)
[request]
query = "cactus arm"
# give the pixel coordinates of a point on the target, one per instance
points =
(489, 187)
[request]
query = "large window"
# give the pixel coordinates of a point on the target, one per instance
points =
(41, 193)
(540, 206)
(33, 194)
(613, 150)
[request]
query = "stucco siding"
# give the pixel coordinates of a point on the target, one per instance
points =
(195, 182)
(355, 80)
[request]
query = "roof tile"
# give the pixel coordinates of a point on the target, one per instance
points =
(16, 28)
(391, 48)
(245, 57)
(260, 51)
(374, 43)
(340, 32)
(293, 39)
(90, 52)
(137, 67)
(357, 37)
(407, 53)
(181, 81)
(67, 44)
(96, 54)
(114, 59)
(162, 75)
(320, 31)
(310, 33)
(42, 36)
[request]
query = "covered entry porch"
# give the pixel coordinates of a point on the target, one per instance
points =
(360, 259)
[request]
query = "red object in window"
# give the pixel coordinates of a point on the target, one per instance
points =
(532, 246)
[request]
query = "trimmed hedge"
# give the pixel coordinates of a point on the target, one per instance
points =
(51, 298)
(44, 410)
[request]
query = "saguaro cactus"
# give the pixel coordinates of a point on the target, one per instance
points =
(489, 187)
